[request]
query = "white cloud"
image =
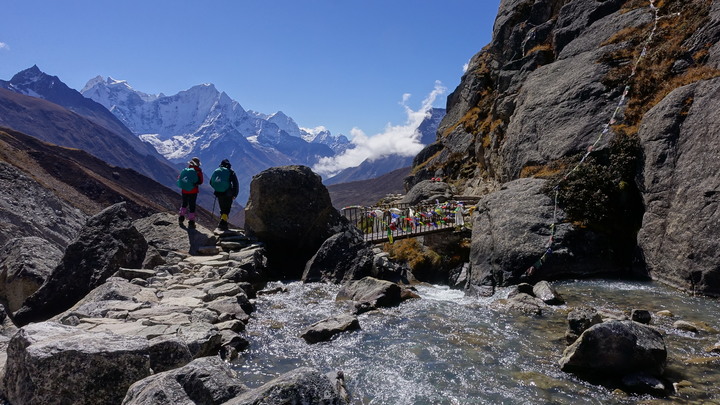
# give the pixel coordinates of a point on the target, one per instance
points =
(4, 46)
(466, 67)
(403, 140)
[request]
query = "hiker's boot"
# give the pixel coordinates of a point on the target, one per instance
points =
(181, 218)
(191, 220)
(191, 224)
(223, 225)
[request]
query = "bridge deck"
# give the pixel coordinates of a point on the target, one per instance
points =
(393, 222)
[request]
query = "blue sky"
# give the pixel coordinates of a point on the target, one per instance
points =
(336, 63)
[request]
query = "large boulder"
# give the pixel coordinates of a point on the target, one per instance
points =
(511, 228)
(370, 293)
(679, 184)
(616, 348)
(327, 328)
(205, 381)
(342, 257)
(49, 363)
(289, 209)
(161, 231)
(107, 242)
(25, 264)
(301, 386)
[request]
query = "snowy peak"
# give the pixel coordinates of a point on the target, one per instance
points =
(285, 123)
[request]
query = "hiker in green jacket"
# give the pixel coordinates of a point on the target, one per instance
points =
(225, 183)
(189, 180)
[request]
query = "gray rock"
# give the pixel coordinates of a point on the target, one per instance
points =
(326, 329)
(251, 266)
(107, 242)
(202, 339)
(616, 348)
(371, 293)
(50, 363)
(526, 304)
(167, 353)
(25, 264)
(511, 228)
(342, 257)
(130, 274)
(33, 210)
(641, 316)
(301, 386)
(547, 293)
(642, 383)
(289, 210)
(579, 320)
(205, 381)
(679, 182)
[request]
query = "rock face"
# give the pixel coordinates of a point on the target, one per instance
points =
(541, 93)
(428, 190)
(107, 242)
(289, 210)
(25, 264)
(55, 364)
(679, 235)
(511, 228)
(616, 348)
(28, 209)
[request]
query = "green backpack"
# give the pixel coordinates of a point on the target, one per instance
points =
(187, 179)
(220, 180)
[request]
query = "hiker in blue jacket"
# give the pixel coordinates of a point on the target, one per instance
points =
(225, 183)
(189, 180)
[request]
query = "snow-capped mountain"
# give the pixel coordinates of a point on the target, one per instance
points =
(321, 135)
(207, 123)
(80, 123)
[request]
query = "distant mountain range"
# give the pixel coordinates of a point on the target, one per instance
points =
(157, 134)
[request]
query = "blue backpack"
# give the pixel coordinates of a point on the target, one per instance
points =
(187, 179)
(220, 180)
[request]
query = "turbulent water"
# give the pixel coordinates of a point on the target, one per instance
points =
(446, 348)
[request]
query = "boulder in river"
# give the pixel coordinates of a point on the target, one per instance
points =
(616, 348)
(325, 330)
(370, 293)
(301, 386)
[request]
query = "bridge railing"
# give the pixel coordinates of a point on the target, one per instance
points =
(395, 221)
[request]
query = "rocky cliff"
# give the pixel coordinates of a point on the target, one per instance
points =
(536, 98)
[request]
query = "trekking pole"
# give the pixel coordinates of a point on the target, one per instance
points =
(212, 215)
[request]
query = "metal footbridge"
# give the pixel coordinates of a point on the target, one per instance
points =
(388, 223)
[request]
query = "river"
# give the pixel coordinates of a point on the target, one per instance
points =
(446, 348)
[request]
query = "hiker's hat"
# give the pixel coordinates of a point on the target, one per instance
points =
(194, 162)
(225, 163)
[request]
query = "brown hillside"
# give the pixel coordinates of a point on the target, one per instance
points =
(84, 181)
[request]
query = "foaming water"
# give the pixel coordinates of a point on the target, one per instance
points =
(446, 348)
